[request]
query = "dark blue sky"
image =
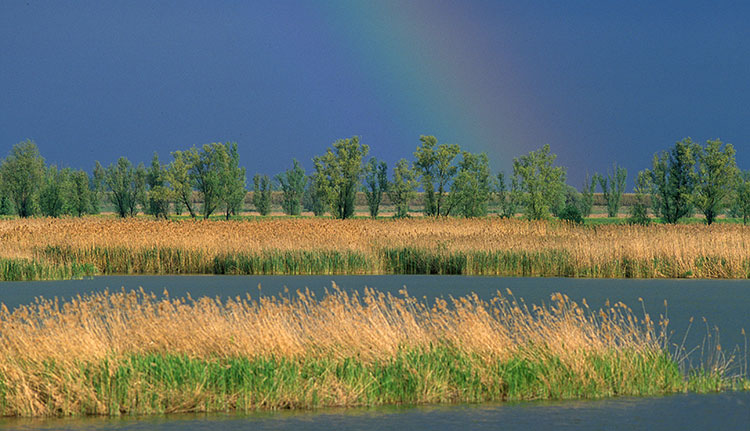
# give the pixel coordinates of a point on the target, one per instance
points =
(598, 81)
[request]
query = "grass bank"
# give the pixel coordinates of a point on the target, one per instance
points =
(133, 353)
(64, 248)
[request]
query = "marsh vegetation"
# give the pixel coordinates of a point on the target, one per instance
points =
(132, 353)
(65, 248)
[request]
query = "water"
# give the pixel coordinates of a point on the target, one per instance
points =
(726, 411)
(723, 303)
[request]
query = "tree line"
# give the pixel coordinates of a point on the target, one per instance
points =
(208, 180)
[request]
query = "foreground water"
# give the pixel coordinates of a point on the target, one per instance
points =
(726, 411)
(723, 303)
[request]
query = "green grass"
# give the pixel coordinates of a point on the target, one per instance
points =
(24, 269)
(56, 263)
(162, 383)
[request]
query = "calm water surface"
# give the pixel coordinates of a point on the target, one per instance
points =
(726, 411)
(723, 303)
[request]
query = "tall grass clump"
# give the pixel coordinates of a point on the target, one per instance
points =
(25, 269)
(135, 353)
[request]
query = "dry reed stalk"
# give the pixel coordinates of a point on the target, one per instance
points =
(370, 326)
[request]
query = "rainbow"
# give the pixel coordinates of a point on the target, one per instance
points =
(433, 65)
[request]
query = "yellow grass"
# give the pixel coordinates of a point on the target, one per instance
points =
(49, 350)
(692, 250)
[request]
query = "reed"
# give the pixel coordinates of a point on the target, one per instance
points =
(134, 353)
(24, 269)
(488, 246)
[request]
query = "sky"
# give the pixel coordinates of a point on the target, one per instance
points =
(599, 81)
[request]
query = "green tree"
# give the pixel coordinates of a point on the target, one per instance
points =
(508, 198)
(262, 194)
(571, 198)
(339, 171)
(716, 174)
(292, 184)
(571, 213)
(53, 192)
(541, 183)
(673, 180)
(159, 195)
(639, 209)
(613, 186)
(122, 183)
(205, 169)
(587, 195)
(21, 175)
(435, 167)
(97, 185)
(470, 192)
(232, 180)
(179, 177)
(403, 188)
(742, 196)
(376, 183)
(6, 206)
(79, 193)
(141, 192)
(317, 193)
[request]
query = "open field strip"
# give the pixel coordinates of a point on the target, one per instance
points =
(64, 248)
(133, 353)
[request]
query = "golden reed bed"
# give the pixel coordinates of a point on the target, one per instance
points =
(131, 352)
(721, 250)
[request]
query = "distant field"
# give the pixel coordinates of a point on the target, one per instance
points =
(63, 248)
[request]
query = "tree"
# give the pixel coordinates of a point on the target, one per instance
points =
(53, 192)
(639, 209)
(587, 194)
(403, 188)
(508, 198)
(122, 183)
(6, 206)
(97, 186)
(571, 198)
(159, 195)
(79, 193)
(262, 194)
(338, 172)
(178, 176)
(141, 194)
(21, 175)
(673, 181)
(571, 213)
(317, 193)
(540, 182)
(292, 184)
(470, 192)
(716, 174)
(205, 174)
(742, 196)
(434, 164)
(231, 179)
(376, 183)
(613, 186)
